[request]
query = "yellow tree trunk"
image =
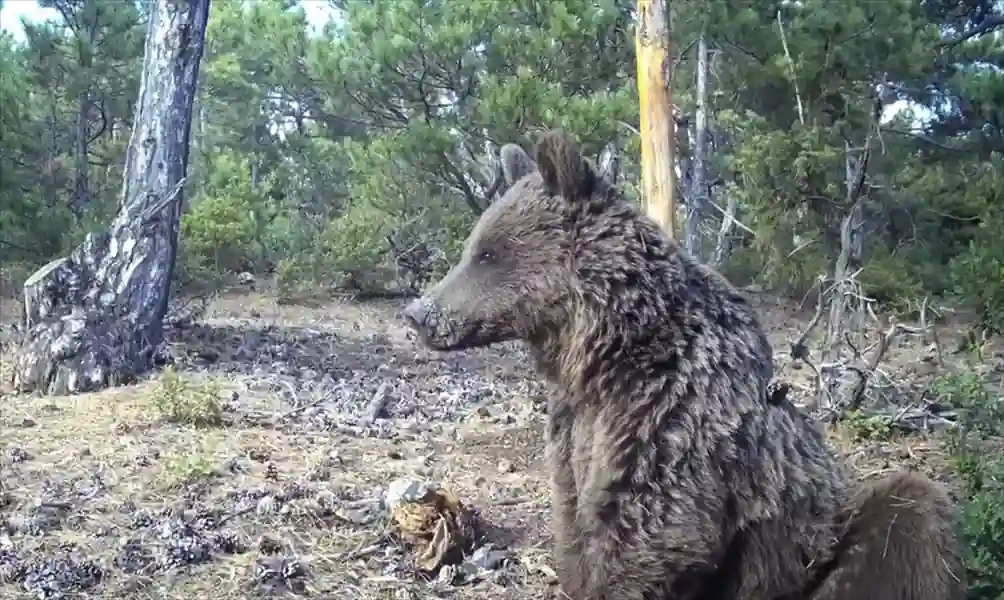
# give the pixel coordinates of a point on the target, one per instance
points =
(652, 39)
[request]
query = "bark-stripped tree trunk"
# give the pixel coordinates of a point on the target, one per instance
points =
(851, 240)
(699, 188)
(609, 163)
(723, 244)
(658, 138)
(95, 318)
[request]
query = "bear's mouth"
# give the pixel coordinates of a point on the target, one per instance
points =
(466, 339)
(469, 335)
(447, 331)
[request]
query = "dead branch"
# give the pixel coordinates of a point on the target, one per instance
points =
(799, 349)
(791, 69)
(836, 394)
(865, 375)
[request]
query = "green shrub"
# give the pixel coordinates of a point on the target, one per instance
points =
(776, 269)
(218, 232)
(864, 426)
(226, 228)
(186, 402)
(978, 275)
(890, 281)
(355, 243)
(979, 466)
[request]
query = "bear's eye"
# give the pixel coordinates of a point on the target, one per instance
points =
(486, 257)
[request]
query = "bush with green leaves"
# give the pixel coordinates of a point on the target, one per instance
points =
(890, 281)
(979, 276)
(354, 244)
(186, 401)
(389, 197)
(226, 226)
(973, 228)
(12, 278)
(974, 447)
(867, 426)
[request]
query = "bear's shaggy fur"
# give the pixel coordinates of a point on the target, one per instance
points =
(675, 473)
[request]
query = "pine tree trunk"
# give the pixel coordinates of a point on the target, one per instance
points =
(95, 318)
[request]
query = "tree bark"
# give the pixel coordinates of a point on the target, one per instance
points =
(81, 188)
(609, 163)
(95, 318)
(658, 138)
(851, 241)
(699, 188)
(723, 245)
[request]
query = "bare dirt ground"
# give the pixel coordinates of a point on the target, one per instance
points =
(103, 496)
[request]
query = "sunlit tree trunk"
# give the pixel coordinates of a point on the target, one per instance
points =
(658, 143)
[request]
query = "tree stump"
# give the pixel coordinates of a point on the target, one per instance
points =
(95, 318)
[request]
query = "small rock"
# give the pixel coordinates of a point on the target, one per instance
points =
(487, 557)
(506, 466)
(407, 490)
(478, 568)
(377, 407)
(266, 506)
(232, 465)
(361, 513)
(446, 576)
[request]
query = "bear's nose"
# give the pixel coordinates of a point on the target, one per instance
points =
(416, 313)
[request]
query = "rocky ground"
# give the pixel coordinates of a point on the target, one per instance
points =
(279, 460)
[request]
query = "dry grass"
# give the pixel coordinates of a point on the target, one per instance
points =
(92, 456)
(85, 469)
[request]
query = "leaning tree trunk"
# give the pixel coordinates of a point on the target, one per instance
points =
(95, 318)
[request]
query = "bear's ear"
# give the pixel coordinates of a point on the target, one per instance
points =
(516, 163)
(565, 172)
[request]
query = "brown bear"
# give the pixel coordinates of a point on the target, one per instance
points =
(675, 474)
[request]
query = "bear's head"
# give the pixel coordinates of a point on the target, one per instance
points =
(559, 240)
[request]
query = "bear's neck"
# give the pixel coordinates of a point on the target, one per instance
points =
(660, 318)
(594, 344)
(594, 355)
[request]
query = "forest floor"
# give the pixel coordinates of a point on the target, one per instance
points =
(123, 494)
